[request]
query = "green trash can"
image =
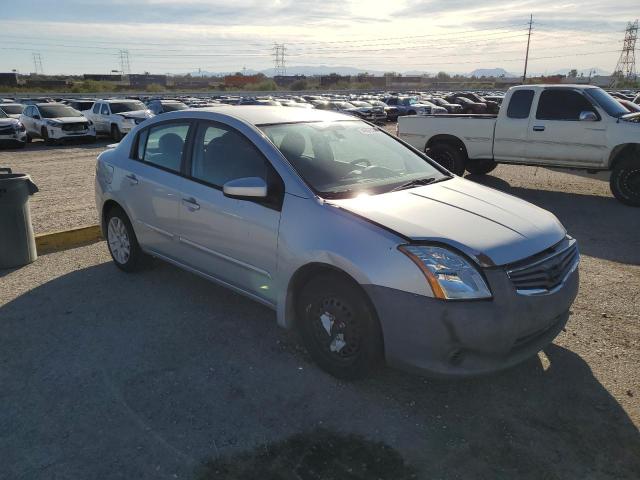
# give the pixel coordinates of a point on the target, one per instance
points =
(17, 241)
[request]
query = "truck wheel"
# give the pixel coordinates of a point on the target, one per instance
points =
(116, 134)
(480, 167)
(449, 156)
(625, 181)
(339, 327)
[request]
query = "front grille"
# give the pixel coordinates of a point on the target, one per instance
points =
(75, 127)
(546, 271)
(7, 131)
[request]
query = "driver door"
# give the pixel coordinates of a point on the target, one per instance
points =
(233, 240)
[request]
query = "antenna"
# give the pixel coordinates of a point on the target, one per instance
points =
(279, 57)
(37, 63)
(526, 58)
(626, 66)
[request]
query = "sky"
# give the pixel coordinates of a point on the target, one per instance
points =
(179, 36)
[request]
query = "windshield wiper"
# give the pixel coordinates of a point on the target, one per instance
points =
(418, 183)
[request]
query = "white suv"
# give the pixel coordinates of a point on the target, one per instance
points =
(117, 117)
(54, 122)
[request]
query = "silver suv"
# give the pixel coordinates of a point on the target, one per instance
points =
(365, 245)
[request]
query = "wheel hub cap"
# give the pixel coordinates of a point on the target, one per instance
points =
(118, 239)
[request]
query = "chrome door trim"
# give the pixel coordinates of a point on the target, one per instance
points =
(222, 283)
(222, 256)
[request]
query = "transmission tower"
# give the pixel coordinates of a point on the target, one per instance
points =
(37, 63)
(125, 68)
(626, 66)
(279, 57)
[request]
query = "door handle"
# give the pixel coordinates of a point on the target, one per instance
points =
(133, 180)
(538, 128)
(191, 204)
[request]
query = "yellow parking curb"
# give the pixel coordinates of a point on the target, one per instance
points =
(77, 237)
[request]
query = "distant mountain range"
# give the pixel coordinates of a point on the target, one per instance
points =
(342, 70)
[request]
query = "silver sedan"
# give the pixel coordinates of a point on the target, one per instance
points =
(365, 245)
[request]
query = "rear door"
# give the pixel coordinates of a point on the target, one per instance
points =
(512, 128)
(232, 240)
(149, 185)
(558, 137)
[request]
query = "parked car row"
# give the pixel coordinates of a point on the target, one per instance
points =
(86, 118)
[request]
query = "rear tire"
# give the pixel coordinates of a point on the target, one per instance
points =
(625, 181)
(339, 327)
(449, 156)
(480, 167)
(122, 242)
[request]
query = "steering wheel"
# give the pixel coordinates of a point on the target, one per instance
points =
(360, 161)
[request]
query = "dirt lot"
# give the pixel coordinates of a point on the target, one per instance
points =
(107, 375)
(64, 175)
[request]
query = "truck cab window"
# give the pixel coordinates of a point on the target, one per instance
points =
(562, 104)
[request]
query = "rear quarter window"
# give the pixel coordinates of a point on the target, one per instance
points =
(520, 104)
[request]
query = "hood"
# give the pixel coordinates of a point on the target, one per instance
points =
(492, 227)
(6, 122)
(68, 119)
(136, 114)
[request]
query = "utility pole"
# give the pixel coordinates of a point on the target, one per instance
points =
(37, 63)
(626, 66)
(526, 58)
(279, 57)
(125, 67)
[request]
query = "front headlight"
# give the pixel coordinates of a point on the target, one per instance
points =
(19, 127)
(450, 276)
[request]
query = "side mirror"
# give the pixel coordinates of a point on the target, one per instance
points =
(249, 187)
(37, 117)
(588, 116)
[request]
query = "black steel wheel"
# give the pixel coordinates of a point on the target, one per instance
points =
(625, 181)
(339, 327)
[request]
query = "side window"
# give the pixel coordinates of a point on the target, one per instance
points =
(164, 145)
(35, 112)
(221, 154)
(392, 101)
(96, 108)
(520, 104)
(105, 109)
(562, 105)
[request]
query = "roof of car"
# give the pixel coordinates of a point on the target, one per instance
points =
(264, 115)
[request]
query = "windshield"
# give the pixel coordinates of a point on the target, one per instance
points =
(409, 101)
(173, 107)
(57, 111)
(12, 109)
(345, 158)
(132, 106)
(607, 102)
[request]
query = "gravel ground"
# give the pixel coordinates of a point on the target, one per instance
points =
(64, 174)
(108, 375)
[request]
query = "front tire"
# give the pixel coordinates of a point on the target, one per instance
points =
(480, 167)
(339, 327)
(625, 181)
(45, 136)
(116, 134)
(449, 156)
(122, 242)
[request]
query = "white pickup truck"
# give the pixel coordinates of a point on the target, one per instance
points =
(571, 126)
(117, 117)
